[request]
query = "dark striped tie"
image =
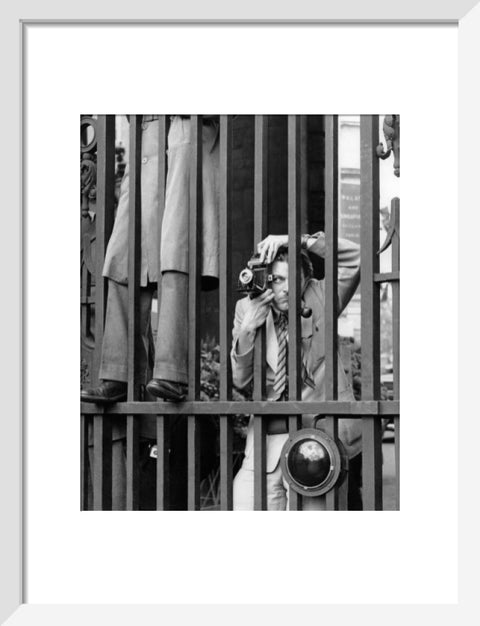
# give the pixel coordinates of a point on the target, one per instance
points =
(281, 328)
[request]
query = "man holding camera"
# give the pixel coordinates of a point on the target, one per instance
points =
(270, 309)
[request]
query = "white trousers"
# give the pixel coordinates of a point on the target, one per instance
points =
(277, 492)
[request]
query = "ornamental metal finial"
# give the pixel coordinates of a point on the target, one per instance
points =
(391, 131)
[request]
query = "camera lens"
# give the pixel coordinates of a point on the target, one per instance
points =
(246, 276)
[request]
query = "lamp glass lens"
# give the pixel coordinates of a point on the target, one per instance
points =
(309, 462)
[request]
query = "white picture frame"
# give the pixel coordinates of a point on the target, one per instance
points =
(466, 14)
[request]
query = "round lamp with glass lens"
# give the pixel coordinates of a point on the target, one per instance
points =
(312, 462)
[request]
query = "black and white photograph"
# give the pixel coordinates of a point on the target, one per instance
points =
(240, 312)
(234, 270)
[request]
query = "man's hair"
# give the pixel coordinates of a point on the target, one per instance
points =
(307, 267)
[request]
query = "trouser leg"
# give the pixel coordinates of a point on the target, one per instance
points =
(243, 490)
(114, 359)
(277, 493)
(171, 350)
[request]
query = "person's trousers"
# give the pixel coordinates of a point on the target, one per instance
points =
(171, 348)
(277, 492)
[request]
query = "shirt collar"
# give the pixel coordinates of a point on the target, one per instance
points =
(279, 316)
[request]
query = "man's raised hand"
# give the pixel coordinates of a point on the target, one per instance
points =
(257, 310)
(268, 247)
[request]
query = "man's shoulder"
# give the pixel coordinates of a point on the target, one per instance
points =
(314, 295)
(242, 302)
(314, 286)
(241, 305)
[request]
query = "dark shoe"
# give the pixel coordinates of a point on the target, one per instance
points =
(168, 390)
(107, 392)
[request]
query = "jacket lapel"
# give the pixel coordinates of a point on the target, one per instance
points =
(313, 338)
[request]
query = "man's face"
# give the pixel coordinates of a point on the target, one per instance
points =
(280, 285)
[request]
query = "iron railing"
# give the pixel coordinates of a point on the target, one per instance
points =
(97, 422)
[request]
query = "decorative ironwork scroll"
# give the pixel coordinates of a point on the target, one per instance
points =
(393, 226)
(88, 163)
(391, 131)
(88, 197)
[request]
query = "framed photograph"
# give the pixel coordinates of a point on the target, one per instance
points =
(63, 564)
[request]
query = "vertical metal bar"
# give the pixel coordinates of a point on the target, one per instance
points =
(331, 257)
(104, 222)
(396, 422)
(372, 464)
(395, 217)
(86, 293)
(193, 463)
(295, 421)
(260, 226)
(370, 312)
(259, 366)
(294, 275)
(331, 497)
(163, 465)
(134, 252)
(194, 256)
(163, 425)
(294, 265)
(132, 466)
(134, 260)
(225, 300)
(102, 463)
(162, 180)
(225, 309)
(331, 282)
(337, 498)
(84, 462)
(294, 498)
(226, 463)
(303, 174)
(260, 463)
(102, 466)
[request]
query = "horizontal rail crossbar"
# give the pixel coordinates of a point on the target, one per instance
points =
(386, 277)
(256, 407)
